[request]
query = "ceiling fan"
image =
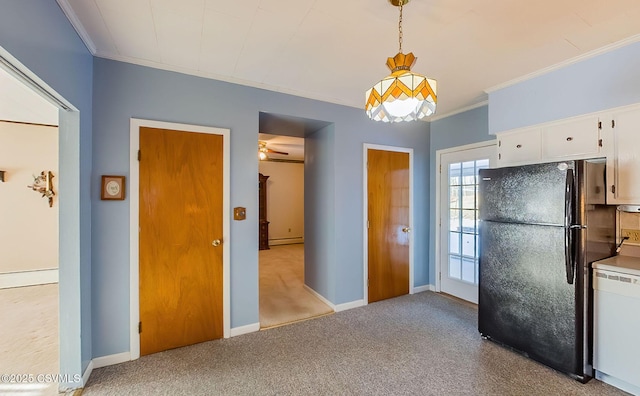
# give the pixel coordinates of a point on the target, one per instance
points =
(263, 150)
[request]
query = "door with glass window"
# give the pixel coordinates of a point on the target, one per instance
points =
(459, 220)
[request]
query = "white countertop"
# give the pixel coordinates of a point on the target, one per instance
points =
(625, 264)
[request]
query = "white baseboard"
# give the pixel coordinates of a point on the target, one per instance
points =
(618, 383)
(250, 328)
(319, 296)
(28, 278)
(87, 373)
(110, 360)
(420, 289)
(285, 241)
(349, 305)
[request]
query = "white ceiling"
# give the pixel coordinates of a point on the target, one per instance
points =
(293, 146)
(334, 50)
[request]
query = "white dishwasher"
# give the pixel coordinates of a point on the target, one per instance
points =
(616, 322)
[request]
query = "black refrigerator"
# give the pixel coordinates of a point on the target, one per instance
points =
(540, 228)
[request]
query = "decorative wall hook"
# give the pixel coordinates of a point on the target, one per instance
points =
(42, 184)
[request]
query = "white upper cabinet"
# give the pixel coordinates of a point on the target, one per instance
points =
(519, 147)
(621, 137)
(575, 138)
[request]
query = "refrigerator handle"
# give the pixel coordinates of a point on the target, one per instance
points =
(568, 222)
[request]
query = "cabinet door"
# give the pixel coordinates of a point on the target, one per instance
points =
(520, 147)
(621, 134)
(577, 138)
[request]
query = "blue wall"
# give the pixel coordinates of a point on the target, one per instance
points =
(460, 129)
(608, 80)
(319, 200)
(39, 36)
(122, 91)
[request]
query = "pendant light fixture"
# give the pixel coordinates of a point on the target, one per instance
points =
(402, 95)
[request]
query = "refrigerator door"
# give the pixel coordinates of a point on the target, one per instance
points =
(525, 301)
(532, 194)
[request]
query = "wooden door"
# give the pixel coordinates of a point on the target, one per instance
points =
(181, 198)
(388, 215)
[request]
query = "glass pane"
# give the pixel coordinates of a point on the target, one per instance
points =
(469, 221)
(468, 245)
(454, 267)
(468, 270)
(482, 164)
(454, 220)
(454, 174)
(454, 197)
(454, 242)
(468, 172)
(469, 197)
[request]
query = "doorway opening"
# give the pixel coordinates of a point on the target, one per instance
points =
(35, 150)
(284, 297)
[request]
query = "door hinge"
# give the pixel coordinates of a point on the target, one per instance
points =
(367, 223)
(613, 123)
(139, 155)
(599, 124)
(440, 276)
(499, 143)
(499, 156)
(139, 327)
(600, 142)
(440, 170)
(613, 188)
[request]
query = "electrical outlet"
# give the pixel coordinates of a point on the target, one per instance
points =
(634, 235)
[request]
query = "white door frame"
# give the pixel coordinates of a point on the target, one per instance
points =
(365, 229)
(134, 212)
(438, 213)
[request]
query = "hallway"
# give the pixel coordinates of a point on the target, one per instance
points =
(283, 297)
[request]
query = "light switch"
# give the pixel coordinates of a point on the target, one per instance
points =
(239, 213)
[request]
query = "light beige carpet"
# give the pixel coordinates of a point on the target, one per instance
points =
(29, 338)
(283, 297)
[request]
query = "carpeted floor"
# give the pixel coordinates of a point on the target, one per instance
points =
(283, 297)
(422, 344)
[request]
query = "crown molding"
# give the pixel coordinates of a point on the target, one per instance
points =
(77, 25)
(557, 66)
(460, 110)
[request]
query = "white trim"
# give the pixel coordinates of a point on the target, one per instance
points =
(438, 219)
(349, 305)
(77, 25)
(28, 278)
(87, 373)
(618, 383)
(420, 289)
(286, 241)
(365, 234)
(319, 296)
(110, 360)
(560, 65)
(460, 110)
(250, 328)
(134, 205)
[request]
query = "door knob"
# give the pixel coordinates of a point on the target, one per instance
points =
(216, 242)
(406, 229)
